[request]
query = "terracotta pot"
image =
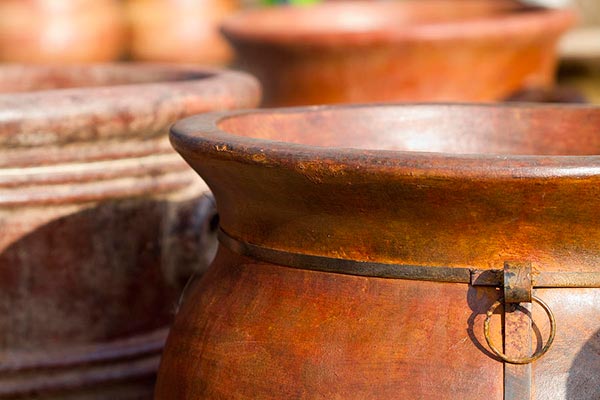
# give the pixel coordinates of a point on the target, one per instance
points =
(434, 50)
(101, 222)
(61, 31)
(180, 30)
(362, 245)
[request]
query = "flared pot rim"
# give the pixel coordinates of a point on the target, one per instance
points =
(509, 19)
(200, 137)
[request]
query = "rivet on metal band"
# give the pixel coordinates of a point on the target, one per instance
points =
(526, 360)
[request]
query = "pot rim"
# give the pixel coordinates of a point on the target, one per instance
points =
(126, 75)
(516, 23)
(115, 112)
(200, 136)
(106, 140)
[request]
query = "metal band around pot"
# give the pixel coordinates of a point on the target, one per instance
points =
(517, 279)
(472, 276)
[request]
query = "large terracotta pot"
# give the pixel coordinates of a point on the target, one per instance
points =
(60, 31)
(101, 222)
(179, 30)
(361, 247)
(417, 50)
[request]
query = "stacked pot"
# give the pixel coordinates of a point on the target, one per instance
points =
(102, 223)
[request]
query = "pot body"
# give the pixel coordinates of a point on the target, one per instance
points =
(405, 51)
(323, 209)
(46, 31)
(102, 223)
(179, 30)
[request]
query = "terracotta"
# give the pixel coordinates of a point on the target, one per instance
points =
(102, 223)
(50, 31)
(439, 50)
(179, 30)
(443, 188)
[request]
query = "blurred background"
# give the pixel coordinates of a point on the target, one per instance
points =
(187, 31)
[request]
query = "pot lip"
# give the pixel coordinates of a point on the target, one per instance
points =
(533, 22)
(189, 73)
(88, 114)
(199, 137)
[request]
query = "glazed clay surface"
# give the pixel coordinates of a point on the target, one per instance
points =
(445, 187)
(102, 223)
(440, 50)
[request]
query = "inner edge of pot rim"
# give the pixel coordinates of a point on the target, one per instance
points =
(201, 134)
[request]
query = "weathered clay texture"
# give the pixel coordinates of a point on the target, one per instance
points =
(101, 222)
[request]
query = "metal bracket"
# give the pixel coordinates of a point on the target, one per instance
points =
(517, 282)
(517, 330)
(517, 300)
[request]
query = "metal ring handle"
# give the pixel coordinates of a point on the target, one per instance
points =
(526, 360)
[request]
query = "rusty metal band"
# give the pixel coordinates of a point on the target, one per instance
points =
(473, 276)
(345, 266)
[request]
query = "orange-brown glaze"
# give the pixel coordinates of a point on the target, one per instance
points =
(440, 50)
(429, 185)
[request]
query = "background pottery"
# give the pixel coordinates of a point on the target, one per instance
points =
(61, 31)
(102, 223)
(453, 191)
(179, 30)
(436, 50)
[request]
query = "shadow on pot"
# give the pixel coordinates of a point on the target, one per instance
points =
(583, 382)
(86, 300)
(480, 300)
(478, 308)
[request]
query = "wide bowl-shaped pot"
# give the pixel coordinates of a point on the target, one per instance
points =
(51, 31)
(101, 222)
(362, 245)
(179, 30)
(437, 50)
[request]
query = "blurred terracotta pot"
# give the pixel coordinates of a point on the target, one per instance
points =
(362, 248)
(437, 50)
(179, 30)
(61, 31)
(101, 222)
